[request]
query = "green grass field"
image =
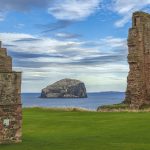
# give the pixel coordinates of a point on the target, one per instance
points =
(60, 130)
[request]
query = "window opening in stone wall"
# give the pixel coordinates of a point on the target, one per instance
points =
(134, 21)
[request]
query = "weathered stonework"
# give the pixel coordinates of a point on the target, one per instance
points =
(10, 101)
(138, 87)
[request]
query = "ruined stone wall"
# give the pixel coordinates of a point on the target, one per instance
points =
(10, 101)
(138, 87)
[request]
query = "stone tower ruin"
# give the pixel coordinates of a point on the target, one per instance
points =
(10, 100)
(138, 87)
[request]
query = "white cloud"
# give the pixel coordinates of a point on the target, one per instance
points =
(60, 9)
(73, 9)
(114, 42)
(65, 35)
(2, 15)
(19, 26)
(125, 8)
(43, 45)
(46, 60)
(20, 5)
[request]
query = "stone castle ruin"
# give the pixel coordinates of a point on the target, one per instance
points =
(138, 87)
(10, 100)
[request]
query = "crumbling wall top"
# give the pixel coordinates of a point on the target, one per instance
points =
(139, 19)
(5, 60)
(141, 14)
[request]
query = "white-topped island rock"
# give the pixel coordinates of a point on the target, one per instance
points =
(65, 88)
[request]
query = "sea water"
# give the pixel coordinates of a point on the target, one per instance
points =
(92, 102)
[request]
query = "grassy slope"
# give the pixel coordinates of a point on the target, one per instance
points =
(59, 130)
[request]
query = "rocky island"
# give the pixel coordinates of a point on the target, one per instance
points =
(65, 88)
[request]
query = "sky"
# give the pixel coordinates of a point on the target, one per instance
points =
(80, 39)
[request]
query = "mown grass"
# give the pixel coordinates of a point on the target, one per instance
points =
(45, 129)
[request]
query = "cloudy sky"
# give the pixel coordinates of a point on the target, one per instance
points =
(81, 39)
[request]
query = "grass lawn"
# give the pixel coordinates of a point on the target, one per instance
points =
(60, 130)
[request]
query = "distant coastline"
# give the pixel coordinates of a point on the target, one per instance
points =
(101, 92)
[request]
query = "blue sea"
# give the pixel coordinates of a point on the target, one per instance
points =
(92, 102)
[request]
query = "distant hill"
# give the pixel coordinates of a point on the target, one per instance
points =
(108, 92)
(113, 92)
